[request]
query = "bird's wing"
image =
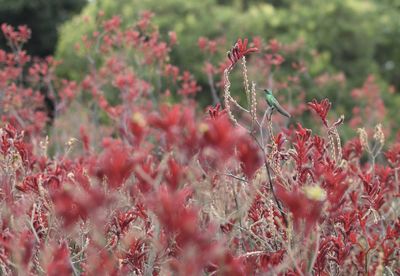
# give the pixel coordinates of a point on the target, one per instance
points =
(274, 101)
(271, 100)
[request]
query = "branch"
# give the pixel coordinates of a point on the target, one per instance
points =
(271, 186)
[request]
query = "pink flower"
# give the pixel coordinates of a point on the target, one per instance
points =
(172, 38)
(202, 43)
(112, 24)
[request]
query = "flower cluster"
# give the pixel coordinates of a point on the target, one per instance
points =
(240, 50)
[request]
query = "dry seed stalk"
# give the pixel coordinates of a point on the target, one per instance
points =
(332, 143)
(338, 145)
(246, 81)
(227, 95)
(253, 104)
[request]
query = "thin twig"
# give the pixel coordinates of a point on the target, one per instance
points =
(235, 177)
(254, 253)
(315, 253)
(214, 94)
(271, 186)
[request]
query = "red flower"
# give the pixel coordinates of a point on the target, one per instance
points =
(353, 149)
(167, 118)
(120, 224)
(174, 214)
(135, 257)
(240, 50)
(202, 42)
(302, 145)
(221, 136)
(61, 264)
(172, 38)
(274, 45)
(268, 260)
(177, 126)
(189, 85)
(321, 109)
(274, 59)
(16, 37)
(84, 138)
(112, 24)
(215, 112)
(76, 205)
(175, 174)
(302, 207)
(249, 156)
(31, 183)
(115, 164)
(393, 155)
(279, 140)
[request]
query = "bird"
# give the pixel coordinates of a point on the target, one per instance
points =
(274, 104)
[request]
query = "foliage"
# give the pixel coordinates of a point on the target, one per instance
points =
(352, 35)
(340, 44)
(42, 17)
(160, 188)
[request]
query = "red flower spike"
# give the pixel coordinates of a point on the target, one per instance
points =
(240, 50)
(61, 264)
(220, 135)
(72, 205)
(16, 37)
(227, 227)
(301, 207)
(175, 174)
(353, 149)
(115, 164)
(249, 156)
(84, 138)
(135, 257)
(215, 112)
(120, 224)
(321, 109)
(177, 218)
(302, 153)
(279, 140)
(393, 155)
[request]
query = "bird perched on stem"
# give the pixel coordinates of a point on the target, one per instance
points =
(274, 104)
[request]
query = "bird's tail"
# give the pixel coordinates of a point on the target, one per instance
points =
(282, 111)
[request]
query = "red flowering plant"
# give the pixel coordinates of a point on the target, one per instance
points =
(149, 187)
(240, 50)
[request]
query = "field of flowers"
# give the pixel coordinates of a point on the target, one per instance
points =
(123, 173)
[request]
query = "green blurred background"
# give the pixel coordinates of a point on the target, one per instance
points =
(356, 37)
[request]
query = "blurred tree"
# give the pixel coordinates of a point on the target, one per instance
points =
(42, 16)
(387, 52)
(357, 37)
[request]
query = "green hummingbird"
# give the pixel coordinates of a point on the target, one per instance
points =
(274, 104)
